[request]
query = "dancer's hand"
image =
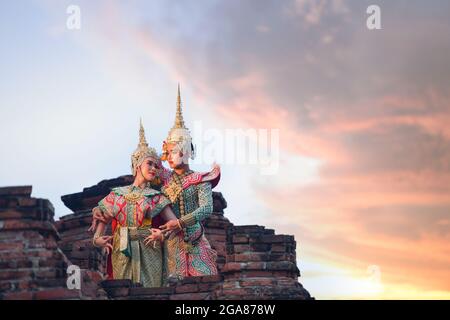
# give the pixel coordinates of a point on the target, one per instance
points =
(97, 216)
(104, 242)
(155, 236)
(171, 225)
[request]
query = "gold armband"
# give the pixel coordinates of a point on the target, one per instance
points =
(187, 220)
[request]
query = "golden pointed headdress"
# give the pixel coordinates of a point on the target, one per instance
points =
(179, 134)
(142, 151)
(179, 122)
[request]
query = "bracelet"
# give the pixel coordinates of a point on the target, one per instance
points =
(96, 236)
(187, 220)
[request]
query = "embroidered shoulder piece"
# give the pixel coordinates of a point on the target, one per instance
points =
(172, 188)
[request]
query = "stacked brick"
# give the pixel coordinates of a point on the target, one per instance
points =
(191, 288)
(260, 265)
(216, 226)
(31, 264)
(253, 262)
(76, 241)
(89, 197)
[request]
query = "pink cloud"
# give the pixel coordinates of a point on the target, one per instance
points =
(358, 140)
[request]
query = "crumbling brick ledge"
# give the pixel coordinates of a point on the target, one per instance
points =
(254, 263)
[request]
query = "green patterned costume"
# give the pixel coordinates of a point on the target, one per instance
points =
(132, 210)
(189, 253)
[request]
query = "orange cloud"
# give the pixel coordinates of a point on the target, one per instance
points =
(383, 192)
(355, 219)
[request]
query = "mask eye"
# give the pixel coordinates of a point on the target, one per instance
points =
(153, 164)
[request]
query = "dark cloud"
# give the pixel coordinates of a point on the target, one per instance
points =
(336, 58)
(371, 105)
(396, 148)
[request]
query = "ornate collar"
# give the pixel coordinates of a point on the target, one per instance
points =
(147, 191)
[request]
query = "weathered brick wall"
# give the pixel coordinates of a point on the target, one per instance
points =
(76, 241)
(216, 229)
(253, 262)
(260, 265)
(191, 288)
(32, 266)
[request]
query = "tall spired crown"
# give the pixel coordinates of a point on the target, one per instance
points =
(142, 151)
(179, 122)
(179, 134)
(142, 140)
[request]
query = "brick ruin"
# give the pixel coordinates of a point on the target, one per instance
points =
(35, 251)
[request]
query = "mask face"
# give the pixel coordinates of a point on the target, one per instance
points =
(174, 155)
(150, 168)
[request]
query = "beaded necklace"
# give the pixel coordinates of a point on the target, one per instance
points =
(177, 179)
(133, 196)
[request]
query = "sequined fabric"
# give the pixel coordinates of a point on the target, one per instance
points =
(143, 263)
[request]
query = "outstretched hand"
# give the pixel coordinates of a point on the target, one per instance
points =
(154, 236)
(97, 216)
(170, 226)
(104, 242)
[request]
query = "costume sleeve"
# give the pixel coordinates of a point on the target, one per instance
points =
(205, 208)
(158, 203)
(107, 204)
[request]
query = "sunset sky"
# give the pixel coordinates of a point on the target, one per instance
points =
(363, 118)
